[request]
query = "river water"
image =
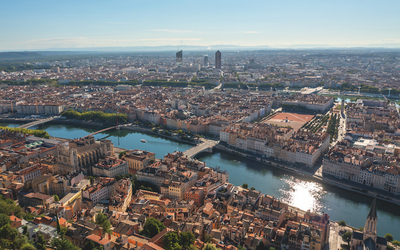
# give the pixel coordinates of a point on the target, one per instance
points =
(298, 191)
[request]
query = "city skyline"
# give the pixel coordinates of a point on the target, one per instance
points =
(47, 25)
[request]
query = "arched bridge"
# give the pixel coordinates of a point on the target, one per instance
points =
(205, 146)
(37, 122)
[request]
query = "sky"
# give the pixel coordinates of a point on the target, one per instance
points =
(39, 24)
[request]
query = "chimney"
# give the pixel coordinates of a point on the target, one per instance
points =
(109, 237)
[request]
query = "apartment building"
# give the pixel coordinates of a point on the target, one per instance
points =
(101, 190)
(138, 159)
(110, 167)
(122, 196)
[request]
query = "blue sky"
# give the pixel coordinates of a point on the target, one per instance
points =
(29, 25)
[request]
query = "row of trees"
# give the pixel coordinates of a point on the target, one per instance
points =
(36, 132)
(368, 89)
(332, 129)
(101, 83)
(30, 82)
(95, 116)
(165, 83)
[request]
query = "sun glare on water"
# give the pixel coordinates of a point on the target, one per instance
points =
(303, 194)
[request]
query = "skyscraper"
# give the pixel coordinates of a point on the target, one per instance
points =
(179, 56)
(218, 60)
(205, 61)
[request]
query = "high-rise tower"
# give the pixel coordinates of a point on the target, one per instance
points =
(218, 59)
(205, 61)
(179, 56)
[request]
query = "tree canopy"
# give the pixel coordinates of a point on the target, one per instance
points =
(35, 132)
(95, 116)
(152, 227)
(389, 237)
(347, 237)
(102, 220)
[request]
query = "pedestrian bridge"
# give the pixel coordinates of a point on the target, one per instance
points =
(205, 146)
(37, 122)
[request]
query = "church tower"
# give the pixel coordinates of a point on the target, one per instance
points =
(370, 224)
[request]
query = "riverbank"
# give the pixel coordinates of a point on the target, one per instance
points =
(54, 121)
(150, 131)
(314, 177)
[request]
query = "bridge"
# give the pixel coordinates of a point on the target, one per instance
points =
(205, 146)
(106, 129)
(37, 122)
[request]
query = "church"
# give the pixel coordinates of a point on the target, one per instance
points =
(368, 239)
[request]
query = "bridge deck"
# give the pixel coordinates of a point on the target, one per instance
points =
(207, 144)
(37, 122)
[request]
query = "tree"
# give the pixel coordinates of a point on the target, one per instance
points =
(63, 244)
(89, 245)
(186, 239)
(56, 198)
(4, 220)
(121, 154)
(240, 247)
(28, 217)
(58, 225)
(261, 246)
(41, 243)
(342, 223)
(271, 248)
(389, 237)
(171, 241)
(11, 238)
(361, 229)
(25, 231)
(245, 185)
(396, 243)
(91, 178)
(389, 247)
(63, 231)
(102, 220)
(210, 247)
(252, 188)
(346, 237)
(152, 227)
(208, 238)
(28, 246)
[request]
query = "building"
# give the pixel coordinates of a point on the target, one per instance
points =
(218, 60)
(100, 241)
(34, 199)
(119, 202)
(80, 154)
(110, 167)
(368, 239)
(102, 190)
(206, 61)
(179, 58)
(138, 159)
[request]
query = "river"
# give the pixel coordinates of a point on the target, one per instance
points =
(298, 191)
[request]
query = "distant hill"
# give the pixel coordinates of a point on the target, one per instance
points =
(19, 56)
